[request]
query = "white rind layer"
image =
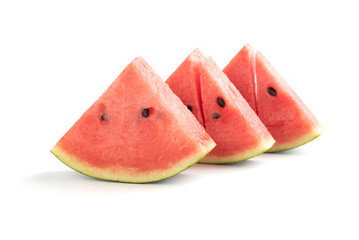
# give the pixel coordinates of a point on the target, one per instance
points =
(244, 155)
(121, 174)
(316, 132)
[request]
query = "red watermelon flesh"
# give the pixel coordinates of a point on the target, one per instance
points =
(227, 117)
(137, 131)
(243, 63)
(287, 118)
(186, 79)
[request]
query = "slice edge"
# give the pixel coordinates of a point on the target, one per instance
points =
(130, 175)
(251, 153)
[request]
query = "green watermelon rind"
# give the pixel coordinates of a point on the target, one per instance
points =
(258, 150)
(203, 153)
(298, 142)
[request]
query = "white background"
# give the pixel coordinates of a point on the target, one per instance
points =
(57, 58)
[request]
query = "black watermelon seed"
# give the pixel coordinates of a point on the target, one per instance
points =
(190, 108)
(103, 117)
(221, 102)
(145, 112)
(272, 91)
(216, 115)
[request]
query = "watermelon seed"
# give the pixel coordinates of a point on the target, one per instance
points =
(216, 115)
(103, 117)
(145, 113)
(190, 108)
(272, 91)
(221, 102)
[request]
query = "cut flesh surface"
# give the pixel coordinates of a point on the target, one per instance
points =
(287, 118)
(137, 131)
(244, 76)
(185, 84)
(226, 116)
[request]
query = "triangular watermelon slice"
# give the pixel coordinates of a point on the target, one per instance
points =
(217, 104)
(137, 131)
(289, 121)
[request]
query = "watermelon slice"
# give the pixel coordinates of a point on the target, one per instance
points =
(137, 131)
(220, 108)
(289, 121)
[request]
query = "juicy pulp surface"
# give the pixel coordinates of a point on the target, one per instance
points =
(285, 115)
(244, 75)
(113, 140)
(238, 129)
(238, 132)
(184, 82)
(287, 118)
